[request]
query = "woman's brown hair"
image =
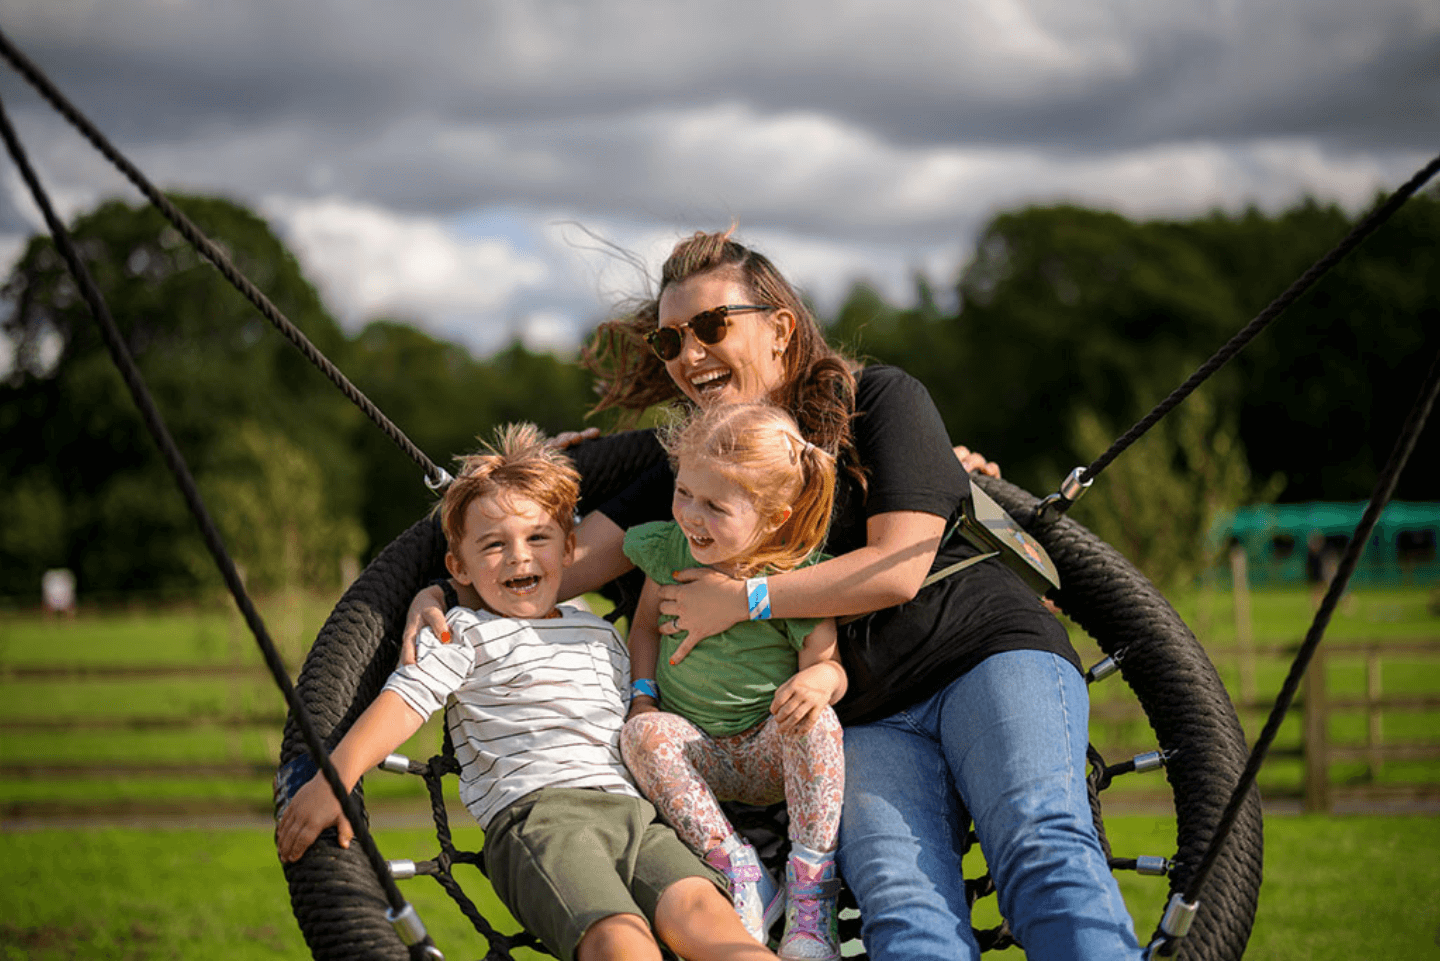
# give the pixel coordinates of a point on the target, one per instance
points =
(819, 386)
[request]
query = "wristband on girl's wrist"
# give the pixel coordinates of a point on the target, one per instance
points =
(647, 687)
(452, 597)
(757, 596)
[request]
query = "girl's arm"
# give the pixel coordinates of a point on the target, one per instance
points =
(644, 643)
(386, 724)
(819, 681)
(899, 551)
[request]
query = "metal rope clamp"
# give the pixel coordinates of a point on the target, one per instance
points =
(1070, 490)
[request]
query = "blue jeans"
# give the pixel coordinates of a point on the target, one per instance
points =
(1010, 738)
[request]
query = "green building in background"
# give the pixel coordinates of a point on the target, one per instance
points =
(1300, 543)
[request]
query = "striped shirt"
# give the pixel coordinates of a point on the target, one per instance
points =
(529, 703)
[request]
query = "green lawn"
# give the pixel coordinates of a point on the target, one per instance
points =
(1335, 888)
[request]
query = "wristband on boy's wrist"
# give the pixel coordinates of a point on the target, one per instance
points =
(757, 597)
(452, 597)
(647, 687)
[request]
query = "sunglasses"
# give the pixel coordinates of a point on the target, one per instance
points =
(708, 326)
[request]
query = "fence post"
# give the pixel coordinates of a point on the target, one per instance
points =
(1374, 735)
(1317, 768)
(1244, 628)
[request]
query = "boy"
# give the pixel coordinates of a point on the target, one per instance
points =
(535, 709)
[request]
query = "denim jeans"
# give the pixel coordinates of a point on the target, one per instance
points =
(1010, 738)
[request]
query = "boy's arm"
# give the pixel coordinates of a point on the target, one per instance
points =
(820, 680)
(386, 724)
(644, 644)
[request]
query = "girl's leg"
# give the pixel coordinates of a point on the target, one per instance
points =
(681, 770)
(1014, 731)
(900, 840)
(814, 765)
(674, 764)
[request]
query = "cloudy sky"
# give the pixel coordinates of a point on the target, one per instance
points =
(465, 164)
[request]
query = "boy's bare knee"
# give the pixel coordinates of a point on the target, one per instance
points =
(698, 922)
(618, 937)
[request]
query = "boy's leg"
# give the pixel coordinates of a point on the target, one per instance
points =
(565, 861)
(698, 924)
(620, 937)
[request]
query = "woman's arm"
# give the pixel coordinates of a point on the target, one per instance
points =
(899, 551)
(599, 556)
(820, 680)
(644, 643)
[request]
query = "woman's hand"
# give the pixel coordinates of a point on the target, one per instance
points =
(799, 701)
(975, 462)
(569, 438)
(426, 610)
(704, 603)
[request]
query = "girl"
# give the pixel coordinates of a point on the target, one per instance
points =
(746, 717)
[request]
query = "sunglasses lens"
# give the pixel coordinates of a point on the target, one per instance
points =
(665, 342)
(709, 326)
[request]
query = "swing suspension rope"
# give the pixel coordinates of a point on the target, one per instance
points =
(1183, 906)
(435, 476)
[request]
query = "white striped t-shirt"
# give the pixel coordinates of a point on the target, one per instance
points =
(529, 703)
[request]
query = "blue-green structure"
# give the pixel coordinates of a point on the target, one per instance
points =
(1300, 543)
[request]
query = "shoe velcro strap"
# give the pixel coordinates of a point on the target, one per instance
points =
(815, 889)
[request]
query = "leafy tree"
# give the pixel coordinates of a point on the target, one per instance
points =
(210, 360)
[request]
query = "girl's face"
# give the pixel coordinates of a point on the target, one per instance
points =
(717, 515)
(747, 364)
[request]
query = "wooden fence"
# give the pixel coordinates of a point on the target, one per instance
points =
(1365, 759)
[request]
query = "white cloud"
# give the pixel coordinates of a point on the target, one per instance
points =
(371, 262)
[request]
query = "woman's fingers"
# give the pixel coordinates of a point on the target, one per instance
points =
(569, 438)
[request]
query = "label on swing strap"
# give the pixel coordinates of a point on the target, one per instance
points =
(985, 524)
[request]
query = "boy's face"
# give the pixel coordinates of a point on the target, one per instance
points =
(513, 554)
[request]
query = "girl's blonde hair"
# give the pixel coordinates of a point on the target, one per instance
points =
(760, 448)
(519, 461)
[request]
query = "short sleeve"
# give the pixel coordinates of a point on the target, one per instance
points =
(658, 549)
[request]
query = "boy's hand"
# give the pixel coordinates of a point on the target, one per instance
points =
(799, 701)
(312, 810)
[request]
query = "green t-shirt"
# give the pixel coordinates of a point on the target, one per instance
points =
(726, 683)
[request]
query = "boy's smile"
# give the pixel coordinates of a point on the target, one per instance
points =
(513, 554)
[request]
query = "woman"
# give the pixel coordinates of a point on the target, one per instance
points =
(965, 697)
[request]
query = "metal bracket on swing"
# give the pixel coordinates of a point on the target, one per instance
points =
(1070, 490)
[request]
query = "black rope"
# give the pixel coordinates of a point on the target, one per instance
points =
(1384, 488)
(156, 425)
(210, 251)
(1304, 282)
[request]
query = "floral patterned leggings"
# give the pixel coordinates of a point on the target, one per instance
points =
(686, 772)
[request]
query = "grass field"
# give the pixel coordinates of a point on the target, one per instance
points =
(1343, 886)
(1335, 888)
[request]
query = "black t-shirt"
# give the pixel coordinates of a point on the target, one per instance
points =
(903, 654)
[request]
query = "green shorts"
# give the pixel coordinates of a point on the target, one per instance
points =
(563, 858)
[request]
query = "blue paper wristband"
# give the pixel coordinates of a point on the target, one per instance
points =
(647, 687)
(757, 596)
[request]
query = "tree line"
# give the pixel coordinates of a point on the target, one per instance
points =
(1067, 325)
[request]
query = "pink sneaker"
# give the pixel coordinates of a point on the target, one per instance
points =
(752, 890)
(811, 927)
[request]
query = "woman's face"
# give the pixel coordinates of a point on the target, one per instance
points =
(744, 367)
